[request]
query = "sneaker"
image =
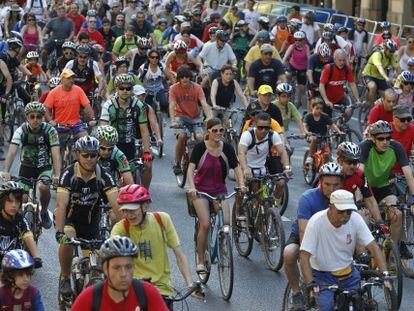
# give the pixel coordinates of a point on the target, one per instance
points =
(46, 221)
(298, 302)
(177, 169)
(65, 288)
(405, 252)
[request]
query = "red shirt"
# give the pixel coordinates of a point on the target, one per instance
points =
(380, 40)
(43, 96)
(95, 37)
(187, 100)
(357, 181)
(77, 20)
(206, 35)
(335, 86)
(405, 138)
(154, 300)
(378, 113)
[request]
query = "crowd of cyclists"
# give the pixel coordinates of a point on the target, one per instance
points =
(100, 80)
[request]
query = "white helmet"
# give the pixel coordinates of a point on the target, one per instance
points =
(294, 22)
(180, 45)
(299, 35)
(32, 54)
(324, 50)
(331, 169)
(284, 88)
(69, 45)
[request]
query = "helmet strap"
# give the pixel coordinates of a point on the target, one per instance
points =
(144, 215)
(124, 292)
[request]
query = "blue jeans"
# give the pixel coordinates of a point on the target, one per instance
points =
(325, 299)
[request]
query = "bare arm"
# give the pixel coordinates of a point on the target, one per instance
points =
(240, 94)
(287, 55)
(213, 93)
(171, 108)
(11, 154)
(182, 264)
(302, 223)
(354, 91)
(190, 175)
(377, 254)
(89, 112)
(145, 137)
(128, 179)
(322, 91)
(206, 109)
(284, 159)
(152, 118)
(112, 200)
(250, 83)
(372, 206)
(56, 160)
(6, 74)
(409, 178)
(31, 245)
(309, 74)
(62, 201)
(306, 267)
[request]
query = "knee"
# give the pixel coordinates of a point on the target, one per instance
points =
(290, 256)
(43, 189)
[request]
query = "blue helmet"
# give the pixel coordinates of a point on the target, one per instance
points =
(17, 259)
(281, 19)
(385, 24)
(87, 143)
(407, 76)
(410, 61)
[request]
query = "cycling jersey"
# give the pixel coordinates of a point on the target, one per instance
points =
(85, 78)
(378, 112)
(125, 120)
(116, 163)
(59, 64)
(12, 233)
(84, 196)
(377, 166)
(298, 58)
(12, 64)
(138, 59)
(405, 138)
(316, 66)
(289, 112)
(30, 300)
(241, 42)
(266, 74)
(335, 81)
(176, 62)
(357, 181)
(36, 146)
(379, 59)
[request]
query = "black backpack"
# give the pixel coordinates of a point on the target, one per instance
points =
(331, 65)
(138, 289)
(254, 142)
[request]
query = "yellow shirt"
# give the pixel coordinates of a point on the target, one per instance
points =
(379, 59)
(231, 17)
(254, 54)
(274, 125)
(152, 261)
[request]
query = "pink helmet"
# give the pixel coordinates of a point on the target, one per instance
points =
(133, 194)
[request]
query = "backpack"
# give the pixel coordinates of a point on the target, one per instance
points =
(375, 48)
(123, 42)
(254, 143)
(41, 4)
(157, 217)
(138, 289)
(331, 71)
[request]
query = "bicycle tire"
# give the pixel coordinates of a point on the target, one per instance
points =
(240, 227)
(182, 178)
(284, 200)
(225, 265)
(9, 120)
(308, 174)
(408, 264)
(391, 253)
(28, 214)
(353, 136)
(363, 114)
(203, 277)
(138, 176)
(389, 296)
(287, 298)
(272, 232)
(160, 121)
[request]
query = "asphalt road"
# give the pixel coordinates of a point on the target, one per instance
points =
(255, 287)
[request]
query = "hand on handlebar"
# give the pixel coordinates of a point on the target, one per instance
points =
(5, 176)
(38, 263)
(329, 104)
(147, 156)
(288, 172)
(55, 180)
(92, 123)
(313, 288)
(52, 123)
(61, 237)
(247, 173)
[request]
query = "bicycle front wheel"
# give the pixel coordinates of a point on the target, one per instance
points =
(284, 200)
(363, 115)
(160, 148)
(408, 264)
(377, 296)
(203, 277)
(242, 235)
(9, 120)
(309, 172)
(392, 257)
(272, 238)
(182, 177)
(225, 266)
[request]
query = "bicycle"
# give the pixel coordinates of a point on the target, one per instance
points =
(341, 122)
(362, 299)
(190, 142)
(69, 149)
(320, 157)
(15, 115)
(230, 134)
(31, 209)
(85, 271)
(158, 149)
(105, 221)
(258, 216)
(137, 164)
(219, 246)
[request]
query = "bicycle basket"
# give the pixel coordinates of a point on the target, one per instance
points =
(190, 204)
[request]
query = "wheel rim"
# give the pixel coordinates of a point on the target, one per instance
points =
(273, 240)
(408, 264)
(225, 266)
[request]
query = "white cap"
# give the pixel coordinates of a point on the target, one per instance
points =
(130, 206)
(343, 200)
(139, 90)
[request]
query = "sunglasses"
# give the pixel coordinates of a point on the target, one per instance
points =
(92, 21)
(154, 57)
(35, 116)
(89, 155)
(33, 20)
(410, 41)
(215, 131)
(351, 162)
(407, 119)
(261, 128)
(106, 148)
(82, 57)
(125, 88)
(388, 138)
(69, 53)
(120, 20)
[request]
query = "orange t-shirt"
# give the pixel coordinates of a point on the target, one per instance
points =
(187, 100)
(66, 105)
(35, 70)
(280, 38)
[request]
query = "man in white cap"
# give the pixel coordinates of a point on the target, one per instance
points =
(328, 245)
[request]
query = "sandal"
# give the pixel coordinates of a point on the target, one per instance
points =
(201, 268)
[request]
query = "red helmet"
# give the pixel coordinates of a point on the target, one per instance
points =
(133, 194)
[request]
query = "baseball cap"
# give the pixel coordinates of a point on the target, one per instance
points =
(343, 200)
(138, 90)
(401, 112)
(67, 73)
(265, 89)
(130, 207)
(185, 25)
(266, 48)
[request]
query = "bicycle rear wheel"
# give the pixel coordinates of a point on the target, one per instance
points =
(408, 264)
(182, 178)
(9, 120)
(160, 121)
(242, 235)
(225, 265)
(284, 200)
(309, 174)
(392, 257)
(272, 238)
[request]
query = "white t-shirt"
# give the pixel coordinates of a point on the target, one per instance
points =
(153, 81)
(256, 157)
(332, 248)
(339, 40)
(251, 17)
(215, 58)
(310, 31)
(38, 8)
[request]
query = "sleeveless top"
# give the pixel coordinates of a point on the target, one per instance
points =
(175, 64)
(30, 39)
(404, 60)
(225, 94)
(298, 58)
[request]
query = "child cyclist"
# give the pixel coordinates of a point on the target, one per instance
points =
(317, 123)
(17, 293)
(14, 230)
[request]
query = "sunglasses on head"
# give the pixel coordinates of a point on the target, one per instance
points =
(407, 119)
(220, 130)
(125, 88)
(261, 128)
(89, 155)
(388, 138)
(106, 148)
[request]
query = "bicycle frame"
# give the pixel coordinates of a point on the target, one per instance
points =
(322, 154)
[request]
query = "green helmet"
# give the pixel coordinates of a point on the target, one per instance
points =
(124, 78)
(107, 134)
(35, 107)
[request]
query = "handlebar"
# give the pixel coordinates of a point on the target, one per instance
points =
(32, 181)
(69, 126)
(278, 176)
(182, 295)
(94, 244)
(220, 197)
(187, 126)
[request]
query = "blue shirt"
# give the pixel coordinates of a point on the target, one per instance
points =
(311, 202)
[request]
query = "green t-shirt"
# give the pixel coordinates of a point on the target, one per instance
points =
(289, 112)
(158, 37)
(122, 45)
(116, 163)
(126, 121)
(119, 31)
(36, 147)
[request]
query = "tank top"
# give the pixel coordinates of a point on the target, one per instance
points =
(209, 177)
(298, 58)
(175, 64)
(30, 40)
(404, 60)
(280, 37)
(225, 94)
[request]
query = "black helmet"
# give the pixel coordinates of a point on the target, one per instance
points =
(84, 49)
(118, 247)
(222, 35)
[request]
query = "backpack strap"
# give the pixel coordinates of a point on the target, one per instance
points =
(140, 294)
(126, 227)
(144, 72)
(159, 220)
(270, 140)
(331, 69)
(97, 296)
(253, 143)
